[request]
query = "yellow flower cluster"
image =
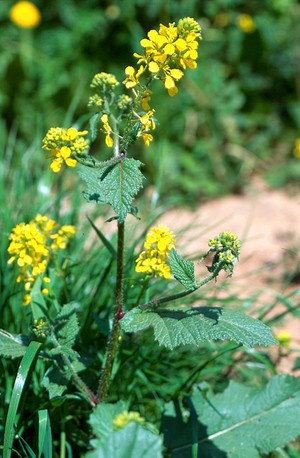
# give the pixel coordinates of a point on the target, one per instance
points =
(167, 53)
(121, 420)
(63, 144)
(31, 246)
(25, 15)
(152, 261)
(104, 85)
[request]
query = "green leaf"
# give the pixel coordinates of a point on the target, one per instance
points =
(116, 184)
(38, 305)
(242, 421)
(66, 325)
(183, 270)
(18, 389)
(45, 435)
(132, 441)
(195, 325)
(13, 346)
(55, 382)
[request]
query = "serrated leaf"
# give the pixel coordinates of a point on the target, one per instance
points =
(55, 382)
(115, 184)
(183, 270)
(13, 346)
(66, 325)
(242, 421)
(192, 326)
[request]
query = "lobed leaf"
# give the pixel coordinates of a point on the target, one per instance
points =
(192, 326)
(241, 421)
(116, 185)
(183, 270)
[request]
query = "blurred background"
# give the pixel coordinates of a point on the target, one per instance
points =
(236, 116)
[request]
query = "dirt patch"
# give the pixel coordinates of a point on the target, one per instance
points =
(267, 221)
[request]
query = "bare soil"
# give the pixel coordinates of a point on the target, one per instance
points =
(268, 223)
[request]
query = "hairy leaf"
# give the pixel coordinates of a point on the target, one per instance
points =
(195, 325)
(66, 325)
(241, 421)
(116, 184)
(55, 382)
(182, 270)
(13, 346)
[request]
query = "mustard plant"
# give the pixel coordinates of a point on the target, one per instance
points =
(123, 115)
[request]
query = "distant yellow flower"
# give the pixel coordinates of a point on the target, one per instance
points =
(284, 339)
(297, 148)
(25, 15)
(152, 261)
(245, 23)
(121, 420)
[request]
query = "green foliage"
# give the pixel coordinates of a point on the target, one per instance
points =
(193, 326)
(182, 270)
(13, 346)
(116, 185)
(18, 391)
(133, 440)
(259, 420)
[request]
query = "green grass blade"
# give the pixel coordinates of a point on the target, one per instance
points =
(19, 386)
(45, 435)
(103, 239)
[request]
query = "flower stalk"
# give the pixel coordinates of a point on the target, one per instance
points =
(118, 309)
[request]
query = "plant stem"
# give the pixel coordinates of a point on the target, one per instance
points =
(173, 297)
(118, 309)
(88, 394)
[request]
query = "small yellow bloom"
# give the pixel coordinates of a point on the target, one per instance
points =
(245, 23)
(25, 15)
(108, 131)
(297, 148)
(284, 339)
(121, 420)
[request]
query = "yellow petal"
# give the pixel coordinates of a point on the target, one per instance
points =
(71, 162)
(169, 49)
(169, 82)
(153, 67)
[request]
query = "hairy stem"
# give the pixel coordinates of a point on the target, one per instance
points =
(118, 309)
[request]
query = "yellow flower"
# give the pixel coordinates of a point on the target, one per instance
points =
(108, 131)
(121, 420)
(32, 245)
(25, 15)
(152, 261)
(147, 124)
(246, 23)
(166, 52)
(297, 148)
(284, 339)
(63, 144)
